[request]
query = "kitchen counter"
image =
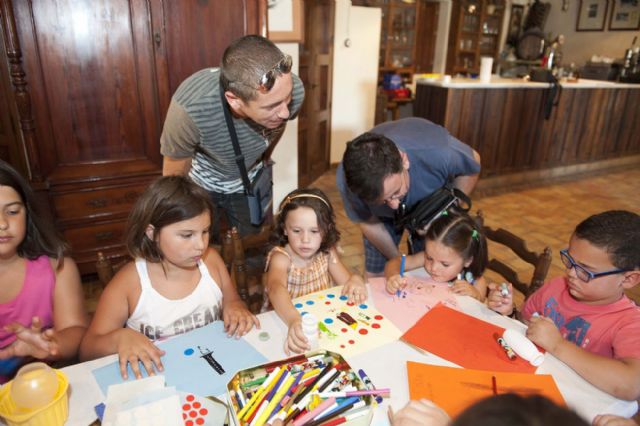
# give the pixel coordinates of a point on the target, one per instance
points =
(596, 127)
(498, 82)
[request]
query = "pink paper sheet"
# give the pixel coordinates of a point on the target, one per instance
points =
(405, 308)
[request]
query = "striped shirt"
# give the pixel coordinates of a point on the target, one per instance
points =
(195, 128)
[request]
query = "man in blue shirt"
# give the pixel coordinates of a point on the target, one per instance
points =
(393, 166)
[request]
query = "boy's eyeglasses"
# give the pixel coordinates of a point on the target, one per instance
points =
(582, 273)
(268, 79)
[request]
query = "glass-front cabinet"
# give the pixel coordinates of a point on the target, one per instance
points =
(475, 31)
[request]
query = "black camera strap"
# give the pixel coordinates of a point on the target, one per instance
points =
(236, 144)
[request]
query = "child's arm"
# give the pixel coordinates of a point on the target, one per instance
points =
(477, 290)
(281, 301)
(69, 321)
(353, 284)
(238, 321)
(392, 270)
(617, 377)
(107, 333)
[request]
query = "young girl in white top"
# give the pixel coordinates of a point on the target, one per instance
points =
(455, 251)
(305, 259)
(176, 283)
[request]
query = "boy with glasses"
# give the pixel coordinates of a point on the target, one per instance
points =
(257, 86)
(584, 318)
(389, 170)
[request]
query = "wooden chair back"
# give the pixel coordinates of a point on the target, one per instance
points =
(539, 261)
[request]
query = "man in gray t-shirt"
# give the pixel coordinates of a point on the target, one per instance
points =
(399, 163)
(262, 95)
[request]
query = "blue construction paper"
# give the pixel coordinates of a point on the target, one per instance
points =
(184, 366)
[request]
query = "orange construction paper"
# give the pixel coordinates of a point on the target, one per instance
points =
(463, 340)
(454, 389)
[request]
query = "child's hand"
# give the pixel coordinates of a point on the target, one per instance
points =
(544, 333)
(419, 413)
(395, 283)
(498, 300)
(296, 340)
(31, 341)
(355, 289)
(464, 288)
(133, 347)
(238, 321)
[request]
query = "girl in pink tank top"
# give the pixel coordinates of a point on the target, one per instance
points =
(37, 281)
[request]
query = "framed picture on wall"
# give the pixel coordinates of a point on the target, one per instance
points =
(285, 20)
(625, 15)
(592, 15)
(515, 24)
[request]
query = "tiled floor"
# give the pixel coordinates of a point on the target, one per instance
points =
(543, 216)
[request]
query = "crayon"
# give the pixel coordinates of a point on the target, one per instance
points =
(336, 413)
(507, 349)
(504, 290)
(355, 393)
(367, 382)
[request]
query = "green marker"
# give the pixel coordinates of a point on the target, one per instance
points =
(255, 382)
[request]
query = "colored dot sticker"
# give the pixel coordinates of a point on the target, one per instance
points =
(199, 421)
(328, 302)
(375, 325)
(196, 405)
(363, 331)
(264, 336)
(363, 306)
(328, 321)
(309, 302)
(303, 313)
(298, 305)
(344, 330)
(331, 295)
(350, 304)
(343, 297)
(378, 317)
(342, 346)
(188, 352)
(193, 413)
(204, 412)
(351, 342)
(186, 407)
(188, 423)
(190, 398)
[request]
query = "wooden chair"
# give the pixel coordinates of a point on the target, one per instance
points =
(540, 261)
(246, 278)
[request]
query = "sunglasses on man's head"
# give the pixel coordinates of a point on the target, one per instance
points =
(268, 79)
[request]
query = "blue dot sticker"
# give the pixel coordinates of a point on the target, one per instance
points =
(188, 352)
(298, 305)
(343, 297)
(328, 321)
(363, 306)
(303, 313)
(310, 302)
(331, 295)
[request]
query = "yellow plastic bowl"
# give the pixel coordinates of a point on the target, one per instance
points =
(53, 414)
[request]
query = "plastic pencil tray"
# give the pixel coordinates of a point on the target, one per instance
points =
(260, 371)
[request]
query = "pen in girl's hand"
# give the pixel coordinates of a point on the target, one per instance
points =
(402, 264)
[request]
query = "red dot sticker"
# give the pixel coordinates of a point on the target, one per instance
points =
(350, 304)
(188, 423)
(351, 342)
(327, 302)
(344, 330)
(186, 407)
(184, 416)
(375, 325)
(204, 411)
(199, 421)
(378, 317)
(190, 398)
(193, 413)
(363, 331)
(196, 405)
(342, 346)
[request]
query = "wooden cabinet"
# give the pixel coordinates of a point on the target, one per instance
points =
(475, 30)
(91, 81)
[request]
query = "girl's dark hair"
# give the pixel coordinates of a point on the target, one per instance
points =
(510, 409)
(41, 237)
(458, 231)
(169, 199)
(324, 213)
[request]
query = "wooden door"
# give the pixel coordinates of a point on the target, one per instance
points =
(426, 34)
(316, 67)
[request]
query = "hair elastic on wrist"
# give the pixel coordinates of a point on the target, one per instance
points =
(289, 198)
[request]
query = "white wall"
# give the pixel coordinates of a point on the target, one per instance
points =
(444, 21)
(355, 73)
(580, 46)
(285, 155)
